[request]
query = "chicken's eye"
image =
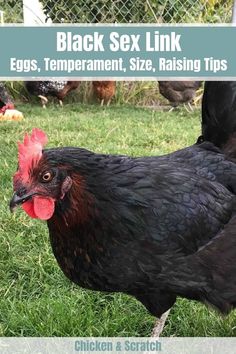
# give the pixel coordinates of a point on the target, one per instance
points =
(47, 176)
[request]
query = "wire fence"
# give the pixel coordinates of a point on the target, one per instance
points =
(124, 11)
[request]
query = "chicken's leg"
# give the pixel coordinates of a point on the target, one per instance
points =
(44, 100)
(188, 107)
(159, 325)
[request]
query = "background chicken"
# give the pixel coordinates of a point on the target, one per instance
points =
(7, 108)
(219, 114)
(58, 89)
(104, 91)
(178, 92)
(151, 227)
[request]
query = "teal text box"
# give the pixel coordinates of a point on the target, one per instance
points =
(178, 52)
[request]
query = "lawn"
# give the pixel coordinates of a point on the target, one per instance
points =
(35, 297)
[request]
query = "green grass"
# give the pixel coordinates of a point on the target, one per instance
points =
(35, 297)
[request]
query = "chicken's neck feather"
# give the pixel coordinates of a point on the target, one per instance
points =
(78, 205)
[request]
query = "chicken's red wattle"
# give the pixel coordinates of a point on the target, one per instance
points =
(39, 207)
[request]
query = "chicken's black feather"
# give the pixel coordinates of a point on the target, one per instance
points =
(149, 224)
(219, 114)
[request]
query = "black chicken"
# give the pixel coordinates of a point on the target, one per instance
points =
(219, 114)
(58, 89)
(152, 227)
(177, 92)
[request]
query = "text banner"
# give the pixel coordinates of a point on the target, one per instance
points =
(118, 52)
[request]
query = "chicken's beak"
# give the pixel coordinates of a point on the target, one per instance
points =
(16, 200)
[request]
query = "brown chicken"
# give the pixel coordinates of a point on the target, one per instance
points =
(104, 91)
(58, 89)
(178, 92)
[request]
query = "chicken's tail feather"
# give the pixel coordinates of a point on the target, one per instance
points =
(219, 115)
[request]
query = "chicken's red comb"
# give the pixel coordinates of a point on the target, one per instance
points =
(30, 152)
